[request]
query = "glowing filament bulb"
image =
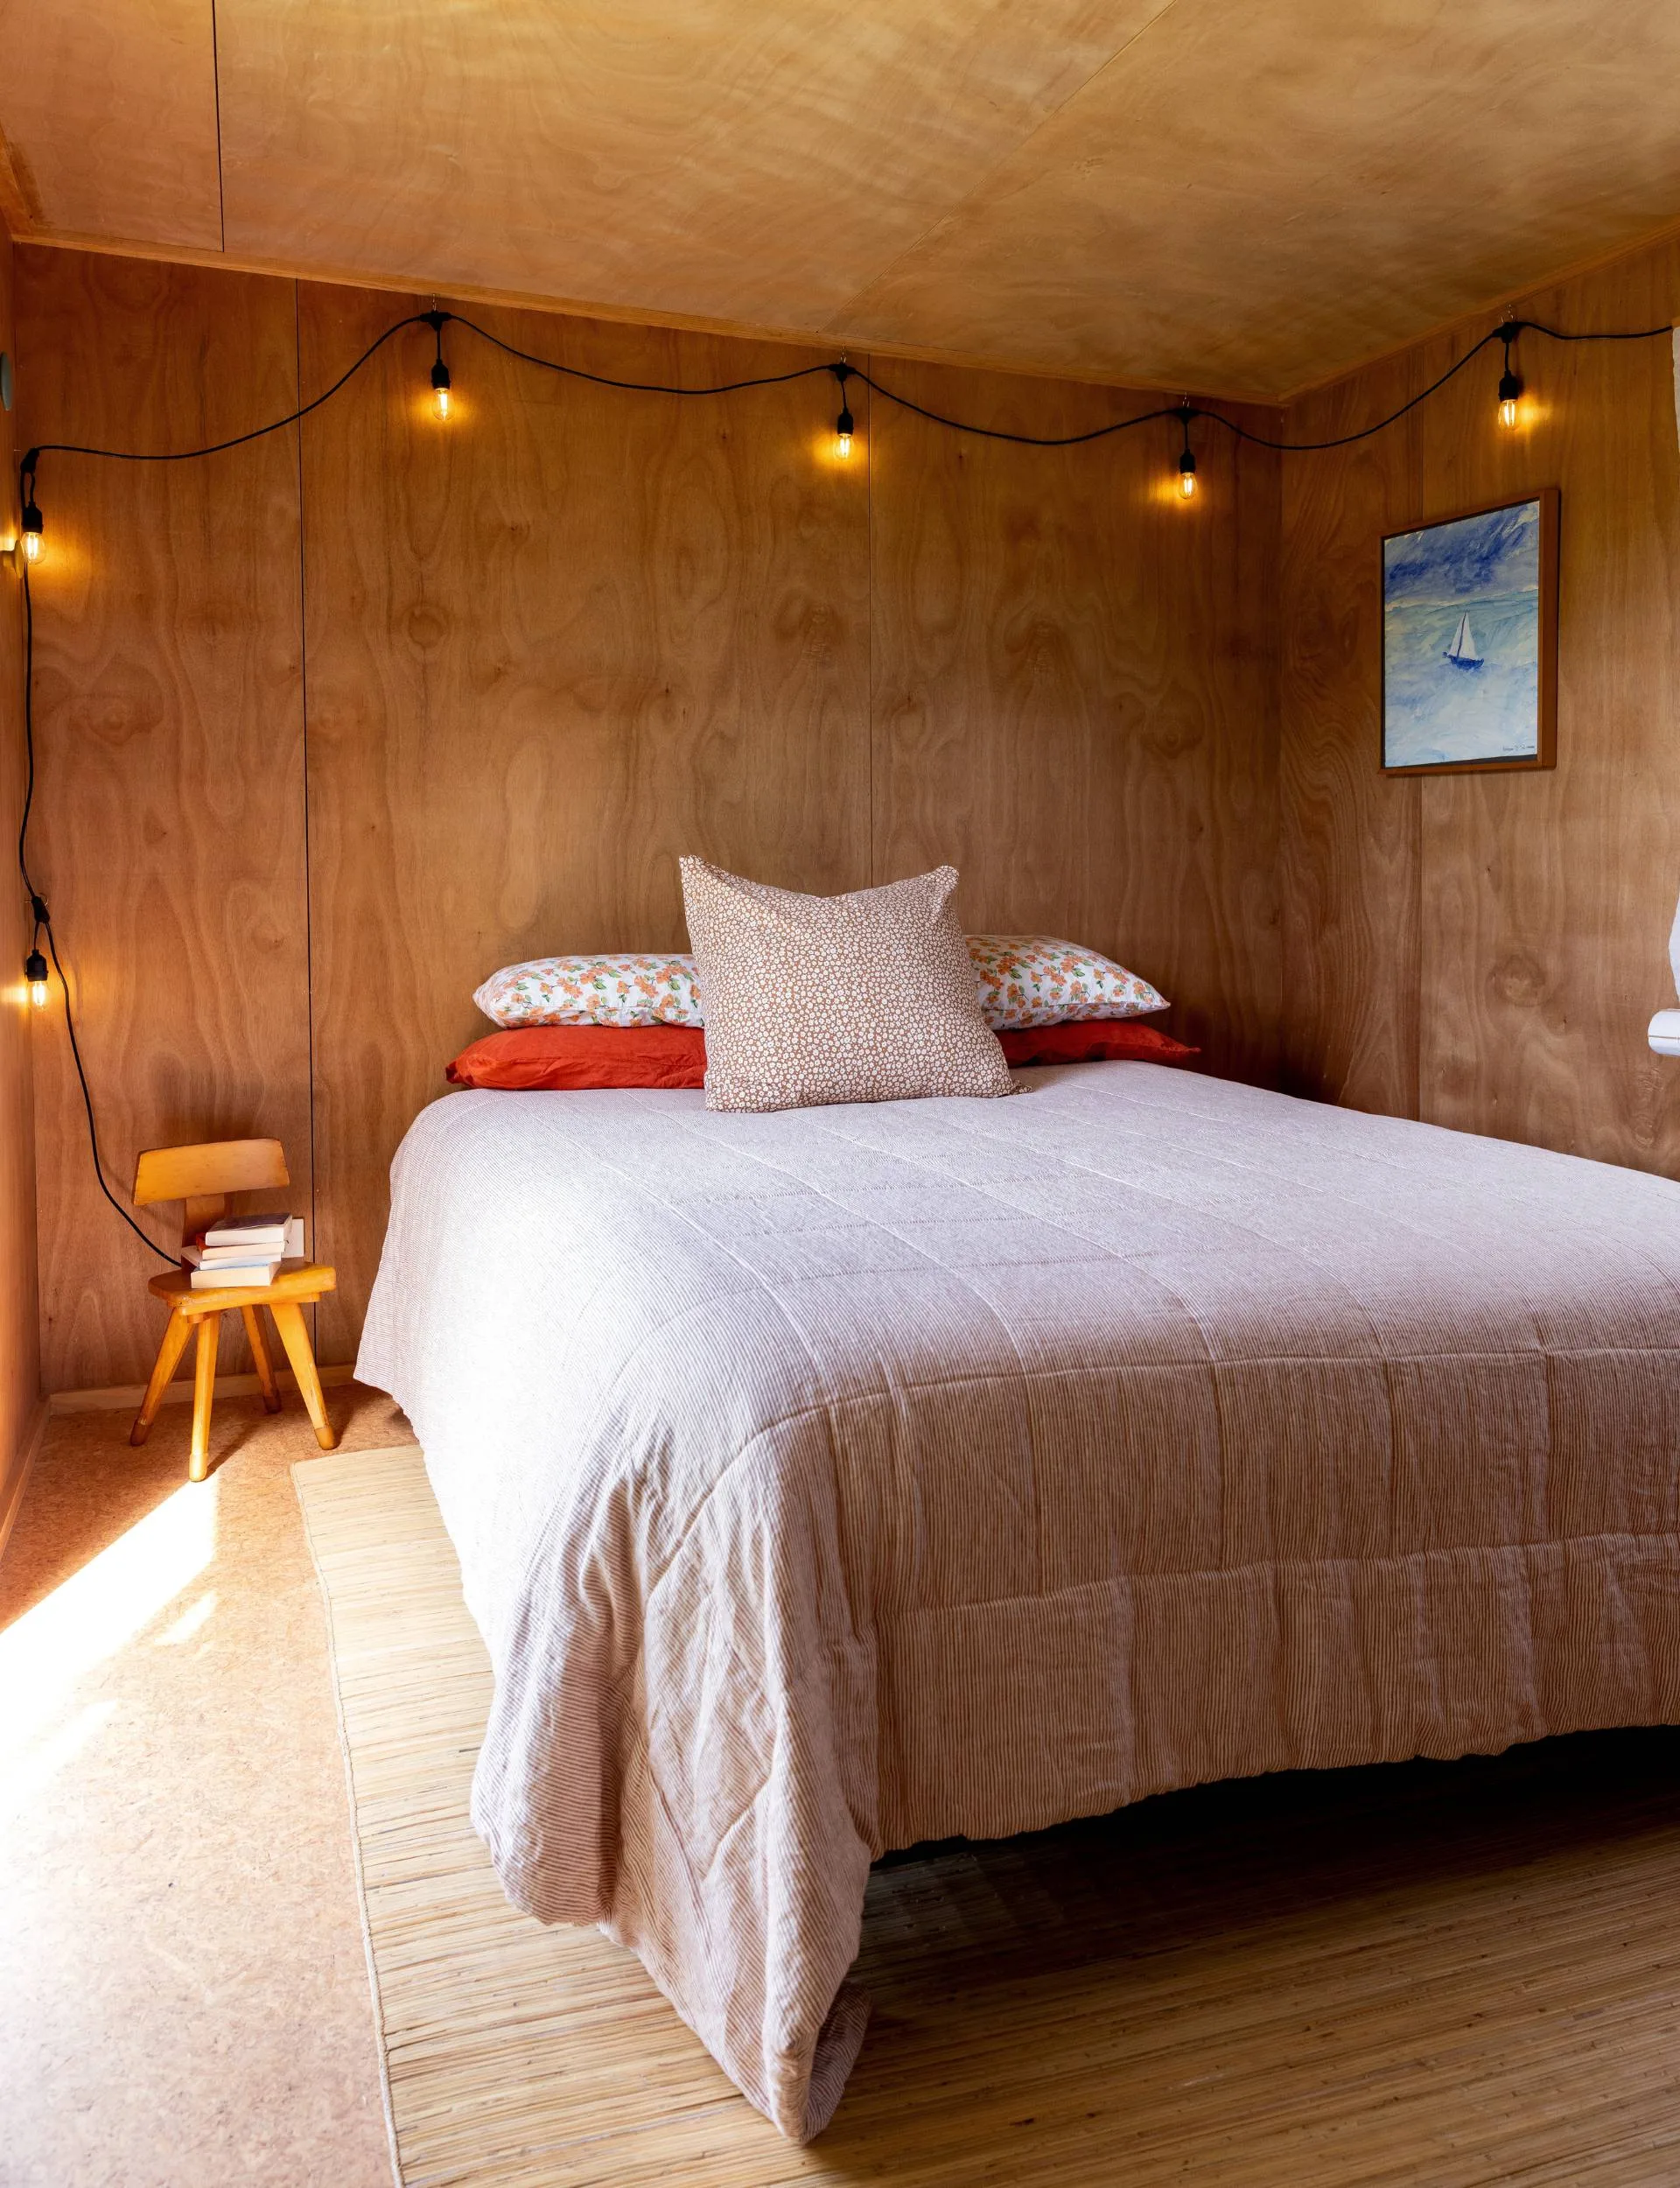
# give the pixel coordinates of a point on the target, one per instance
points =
(32, 532)
(1510, 385)
(1187, 477)
(35, 973)
(440, 390)
(844, 426)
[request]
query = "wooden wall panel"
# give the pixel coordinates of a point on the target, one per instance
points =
(20, 1366)
(1074, 695)
(1541, 901)
(1349, 868)
(170, 807)
(551, 647)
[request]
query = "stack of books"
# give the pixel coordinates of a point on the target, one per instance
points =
(243, 1250)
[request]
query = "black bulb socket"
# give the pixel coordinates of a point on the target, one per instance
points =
(1510, 386)
(31, 517)
(34, 966)
(1186, 462)
(440, 375)
(845, 422)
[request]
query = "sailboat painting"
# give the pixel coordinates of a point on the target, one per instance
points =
(1470, 641)
(1462, 652)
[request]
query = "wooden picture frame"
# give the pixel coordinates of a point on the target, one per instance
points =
(1435, 579)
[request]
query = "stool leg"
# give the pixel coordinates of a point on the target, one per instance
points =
(204, 1392)
(177, 1330)
(253, 1323)
(294, 1334)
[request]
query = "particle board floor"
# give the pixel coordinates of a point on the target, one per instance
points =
(1431, 1976)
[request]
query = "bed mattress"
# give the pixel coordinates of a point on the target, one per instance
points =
(828, 1481)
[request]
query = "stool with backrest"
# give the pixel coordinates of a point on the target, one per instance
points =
(202, 1177)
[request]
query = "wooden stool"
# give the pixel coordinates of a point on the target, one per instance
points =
(201, 1177)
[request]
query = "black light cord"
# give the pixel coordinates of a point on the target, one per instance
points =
(26, 469)
(43, 919)
(636, 387)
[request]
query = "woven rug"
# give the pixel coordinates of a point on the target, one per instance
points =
(1459, 1974)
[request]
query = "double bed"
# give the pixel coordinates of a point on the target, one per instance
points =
(830, 1480)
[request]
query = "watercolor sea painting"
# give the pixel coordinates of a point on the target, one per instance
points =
(1461, 641)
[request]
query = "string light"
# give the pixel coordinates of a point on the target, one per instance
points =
(846, 426)
(436, 319)
(1187, 460)
(31, 525)
(35, 964)
(1510, 383)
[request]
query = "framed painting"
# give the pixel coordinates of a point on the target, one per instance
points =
(1470, 641)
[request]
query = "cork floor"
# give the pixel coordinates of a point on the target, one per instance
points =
(184, 2000)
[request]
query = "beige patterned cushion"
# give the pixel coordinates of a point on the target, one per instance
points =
(866, 998)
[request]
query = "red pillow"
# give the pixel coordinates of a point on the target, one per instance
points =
(576, 1057)
(1093, 1040)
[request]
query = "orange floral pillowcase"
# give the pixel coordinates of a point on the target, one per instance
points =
(624, 989)
(1038, 980)
(1025, 980)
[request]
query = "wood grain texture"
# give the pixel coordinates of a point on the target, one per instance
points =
(741, 162)
(1194, 193)
(1542, 903)
(1074, 700)
(111, 118)
(169, 714)
(1348, 844)
(20, 1365)
(552, 646)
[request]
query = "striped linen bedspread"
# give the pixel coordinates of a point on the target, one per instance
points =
(828, 1481)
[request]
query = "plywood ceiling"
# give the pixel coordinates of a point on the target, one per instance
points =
(1236, 196)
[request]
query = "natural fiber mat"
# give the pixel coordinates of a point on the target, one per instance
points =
(1459, 1974)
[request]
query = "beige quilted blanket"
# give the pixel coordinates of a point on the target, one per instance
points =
(828, 1481)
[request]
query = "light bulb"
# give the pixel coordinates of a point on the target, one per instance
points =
(844, 426)
(440, 390)
(1510, 388)
(32, 546)
(38, 994)
(35, 973)
(1187, 477)
(32, 530)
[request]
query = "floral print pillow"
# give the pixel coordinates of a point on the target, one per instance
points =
(1036, 980)
(1025, 980)
(614, 991)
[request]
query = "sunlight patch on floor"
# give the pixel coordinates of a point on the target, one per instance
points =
(54, 1645)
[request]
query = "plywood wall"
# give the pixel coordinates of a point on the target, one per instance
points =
(170, 759)
(334, 725)
(1483, 951)
(20, 1373)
